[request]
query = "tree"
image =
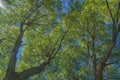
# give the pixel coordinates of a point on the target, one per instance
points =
(93, 40)
(79, 42)
(30, 15)
(93, 29)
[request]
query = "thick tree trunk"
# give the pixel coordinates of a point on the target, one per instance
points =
(25, 74)
(12, 62)
(100, 67)
(99, 72)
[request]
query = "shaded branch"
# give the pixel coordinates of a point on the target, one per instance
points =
(91, 56)
(28, 14)
(34, 70)
(118, 26)
(50, 56)
(93, 44)
(105, 57)
(115, 34)
(113, 20)
(111, 63)
(12, 61)
(117, 12)
(115, 78)
(110, 11)
(30, 22)
(60, 44)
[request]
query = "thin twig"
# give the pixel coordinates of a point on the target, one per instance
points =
(110, 11)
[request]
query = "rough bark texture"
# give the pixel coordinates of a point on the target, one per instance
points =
(27, 73)
(99, 71)
(32, 71)
(11, 74)
(12, 62)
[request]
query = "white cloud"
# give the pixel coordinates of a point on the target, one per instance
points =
(1, 5)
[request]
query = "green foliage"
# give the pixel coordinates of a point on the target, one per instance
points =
(85, 22)
(9, 35)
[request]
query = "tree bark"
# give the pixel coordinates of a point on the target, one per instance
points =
(29, 72)
(32, 71)
(12, 62)
(100, 68)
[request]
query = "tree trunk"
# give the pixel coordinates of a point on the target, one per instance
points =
(29, 72)
(99, 72)
(100, 67)
(12, 62)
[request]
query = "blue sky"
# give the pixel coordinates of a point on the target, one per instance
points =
(65, 4)
(64, 10)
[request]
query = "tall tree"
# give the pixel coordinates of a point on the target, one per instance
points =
(77, 39)
(97, 30)
(30, 16)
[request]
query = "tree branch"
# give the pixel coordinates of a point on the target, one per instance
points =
(110, 63)
(113, 19)
(60, 44)
(108, 52)
(110, 11)
(117, 12)
(28, 14)
(34, 70)
(12, 61)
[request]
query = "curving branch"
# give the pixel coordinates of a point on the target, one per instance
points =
(110, 11)
(32, 71)
(12, 61)
(117, 12)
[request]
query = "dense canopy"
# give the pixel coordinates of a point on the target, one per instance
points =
(59, 40)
